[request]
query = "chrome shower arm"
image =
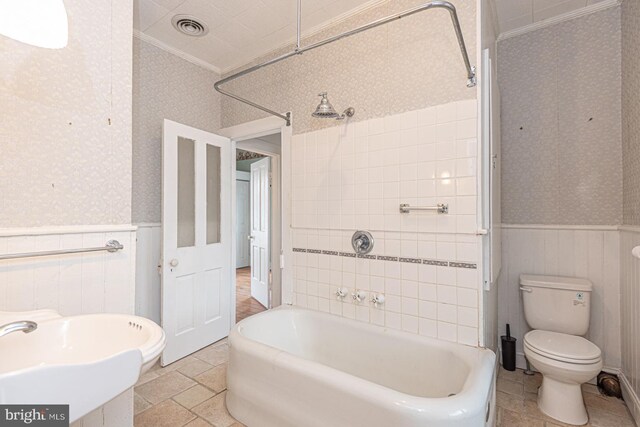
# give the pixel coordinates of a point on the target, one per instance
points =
(471, 74)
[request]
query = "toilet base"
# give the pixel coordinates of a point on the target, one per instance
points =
(562, 401)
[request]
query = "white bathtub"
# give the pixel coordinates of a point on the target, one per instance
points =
(296, 367)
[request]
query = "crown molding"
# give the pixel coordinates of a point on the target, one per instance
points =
(177, 52)
(593, 8)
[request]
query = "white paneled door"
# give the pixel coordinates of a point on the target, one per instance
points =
(196, 239)
(260, 227)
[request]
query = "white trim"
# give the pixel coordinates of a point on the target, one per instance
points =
(587, 10)
(243, 176)
(561, 227)
(630, 228)
(70, 229)
(255, 129)
(148, 224)
(630, 397)
(177, 52)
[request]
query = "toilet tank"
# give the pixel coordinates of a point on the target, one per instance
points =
(555, 303)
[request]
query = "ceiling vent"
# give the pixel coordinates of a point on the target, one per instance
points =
(189, 25)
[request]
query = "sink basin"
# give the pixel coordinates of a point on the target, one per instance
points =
(84, 361)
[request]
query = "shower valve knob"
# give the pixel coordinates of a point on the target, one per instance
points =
(341, 293)
(377, 300)
(359, 296)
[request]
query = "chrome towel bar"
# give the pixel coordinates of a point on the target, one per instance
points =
(111, 246)
(440, 208)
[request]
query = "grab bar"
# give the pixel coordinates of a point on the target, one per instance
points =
(440, 208)
(111, 246)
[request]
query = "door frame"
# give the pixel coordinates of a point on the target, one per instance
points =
(282, 289)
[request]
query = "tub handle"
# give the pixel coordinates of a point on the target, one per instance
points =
(523, 289)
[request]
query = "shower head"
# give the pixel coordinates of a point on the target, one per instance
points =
(325, 110)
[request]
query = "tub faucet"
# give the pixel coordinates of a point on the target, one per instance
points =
(25, 326)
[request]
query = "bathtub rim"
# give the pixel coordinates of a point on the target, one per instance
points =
(480, 361)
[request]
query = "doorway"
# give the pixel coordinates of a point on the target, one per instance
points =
(257, 212)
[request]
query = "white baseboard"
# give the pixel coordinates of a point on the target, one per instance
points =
(630, 397)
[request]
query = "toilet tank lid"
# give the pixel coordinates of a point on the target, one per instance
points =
(556, 282)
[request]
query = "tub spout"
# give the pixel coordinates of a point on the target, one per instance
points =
(25, 326)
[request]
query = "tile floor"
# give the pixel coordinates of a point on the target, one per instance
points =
(190, 392)
(517, 407)
(245, 305)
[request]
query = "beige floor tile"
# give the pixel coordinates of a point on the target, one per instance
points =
(164, 387)
(510, 401)
(511, 387)
(215, 378)
(140, 404)
(166, 414)
(196, 367)
(590, 388)
(514, 419)
(516, 375)
(532, 383)
(610, 404)
(175, 365)
(198, 422)
(602, 418)
(148, 376)
(193, 396)
(214, 355)
(214, 411)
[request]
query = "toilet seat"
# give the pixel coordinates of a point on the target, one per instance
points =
(562, 347)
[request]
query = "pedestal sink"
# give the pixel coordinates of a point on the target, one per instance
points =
(84, 361)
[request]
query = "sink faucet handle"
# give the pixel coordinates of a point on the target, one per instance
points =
(25, 326)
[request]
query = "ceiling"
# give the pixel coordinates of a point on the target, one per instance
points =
(513, 14)
(239, 30)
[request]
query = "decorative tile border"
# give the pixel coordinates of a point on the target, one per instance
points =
(435, 262)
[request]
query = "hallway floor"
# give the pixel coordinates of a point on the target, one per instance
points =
(245, 305)
(517, 395)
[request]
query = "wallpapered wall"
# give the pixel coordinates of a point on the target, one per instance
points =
(164, 86)
(631, 111)
(66, 119)
(561, 114)
(406, 65)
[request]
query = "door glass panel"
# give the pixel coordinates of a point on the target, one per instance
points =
(186, 193)
(213, 194)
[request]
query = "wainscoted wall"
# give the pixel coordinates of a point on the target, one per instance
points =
(403, 66)
(73, 284)
(66, 123)
(355, 177)
(165, 86)
(630, 289)
(631, 111)
(148, 280)
(586, 252)
(561, 135)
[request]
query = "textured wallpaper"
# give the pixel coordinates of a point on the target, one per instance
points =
(402, 66)
(65, 136)
(164, 87)
(561, 115)
(631, 110)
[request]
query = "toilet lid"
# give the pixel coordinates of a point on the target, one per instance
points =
(562, 347)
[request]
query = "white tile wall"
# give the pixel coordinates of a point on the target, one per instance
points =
(355, 177)
(73, 284)
(630, 301)
(590, 253)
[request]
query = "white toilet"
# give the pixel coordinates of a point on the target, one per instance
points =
(558, 310)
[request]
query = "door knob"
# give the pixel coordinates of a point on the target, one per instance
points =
(174, 262)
